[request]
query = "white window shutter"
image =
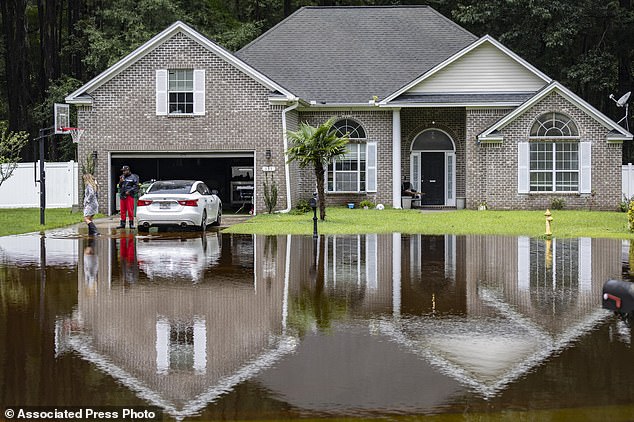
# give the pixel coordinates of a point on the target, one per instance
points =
(199, 92)
(414, 178)
(370, 173)
(161, 92)
(523, 167)
(585, 167)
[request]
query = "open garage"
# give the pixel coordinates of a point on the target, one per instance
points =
(231, 174)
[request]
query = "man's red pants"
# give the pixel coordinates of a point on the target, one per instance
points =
(127, 207)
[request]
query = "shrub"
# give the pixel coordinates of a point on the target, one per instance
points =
(624, 205)
(366, 203)
(557, 204)
(303, 206)
(630, 216)
(270, 193)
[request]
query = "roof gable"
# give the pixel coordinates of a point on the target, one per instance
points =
(348, 55)
(617, 133)
(81, 96)
(484, 66)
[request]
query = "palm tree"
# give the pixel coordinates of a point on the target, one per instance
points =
(316, 146)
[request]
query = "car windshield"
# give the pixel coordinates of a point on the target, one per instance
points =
(171, 186)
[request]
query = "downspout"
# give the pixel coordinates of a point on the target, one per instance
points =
(286, 164)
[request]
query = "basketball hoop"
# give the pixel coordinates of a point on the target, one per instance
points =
(74, 132)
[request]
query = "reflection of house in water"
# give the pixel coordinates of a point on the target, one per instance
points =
(484, 310)
(180, 345)
(474, 311)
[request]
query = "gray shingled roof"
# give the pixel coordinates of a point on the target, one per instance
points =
(350, 54)
(514, 98)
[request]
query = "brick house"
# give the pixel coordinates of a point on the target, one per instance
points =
(463, 119)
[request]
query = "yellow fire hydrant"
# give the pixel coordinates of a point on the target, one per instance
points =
(549, 218)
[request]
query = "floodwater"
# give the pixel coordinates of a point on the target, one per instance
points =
(392, 327)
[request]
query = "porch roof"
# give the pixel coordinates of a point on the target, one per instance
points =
(511, 99)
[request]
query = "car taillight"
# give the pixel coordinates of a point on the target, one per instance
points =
(143, 203)
(189, 203)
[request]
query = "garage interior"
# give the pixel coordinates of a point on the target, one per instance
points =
(230, 174)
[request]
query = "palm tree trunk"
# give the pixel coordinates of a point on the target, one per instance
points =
(321, 194)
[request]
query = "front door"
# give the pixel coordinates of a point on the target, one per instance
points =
(432, 178)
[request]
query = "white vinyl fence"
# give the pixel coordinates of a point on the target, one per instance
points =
(21, 190)
(627, 180)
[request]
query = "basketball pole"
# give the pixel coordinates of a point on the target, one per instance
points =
(43, 135)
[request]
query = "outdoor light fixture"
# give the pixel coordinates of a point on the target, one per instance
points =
(94, 156)
(267, 154)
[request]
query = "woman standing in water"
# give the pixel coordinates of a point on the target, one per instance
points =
(91, 206)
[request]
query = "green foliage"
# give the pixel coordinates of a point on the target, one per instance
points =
(630, 216)
(316, 147)
(624, 205)
(366, 203)
(89, 166)
(303, 206)
(114, 31)
(239, 36)
(557, 204)
(270, 193)
(11, 144)
(27, 220)
(568, 224)
(66, 149)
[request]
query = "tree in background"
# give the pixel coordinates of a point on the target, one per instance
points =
(11, 143)
(587, 45)
(316, 147)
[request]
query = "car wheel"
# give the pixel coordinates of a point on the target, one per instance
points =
(143, 229)
(218, 218)
(203, 222)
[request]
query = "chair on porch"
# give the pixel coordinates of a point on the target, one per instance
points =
(408, 193)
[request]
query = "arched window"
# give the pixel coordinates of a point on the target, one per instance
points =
(349, 172)
(554, 154)
(349, 127)
(554, 124)
(432, 140)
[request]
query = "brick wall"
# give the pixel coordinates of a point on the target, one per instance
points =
(238, 114)
(378, 128)
(450, 120)
(493, 167)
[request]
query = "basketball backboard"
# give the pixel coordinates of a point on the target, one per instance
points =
(62, 118)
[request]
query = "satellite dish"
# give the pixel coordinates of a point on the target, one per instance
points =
(621, 102)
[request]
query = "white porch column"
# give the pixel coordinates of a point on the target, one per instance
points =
(396, 158)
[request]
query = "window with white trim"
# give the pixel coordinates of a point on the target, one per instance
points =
(350, 172)
(554, 154)
(181, 91)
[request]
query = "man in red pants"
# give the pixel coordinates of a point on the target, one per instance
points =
(128, 188)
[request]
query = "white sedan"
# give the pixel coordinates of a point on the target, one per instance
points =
(182, 203)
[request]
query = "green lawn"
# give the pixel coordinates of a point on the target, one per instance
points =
(26, 220)
(341, 220)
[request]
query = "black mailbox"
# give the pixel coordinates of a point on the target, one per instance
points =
(618, 296)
